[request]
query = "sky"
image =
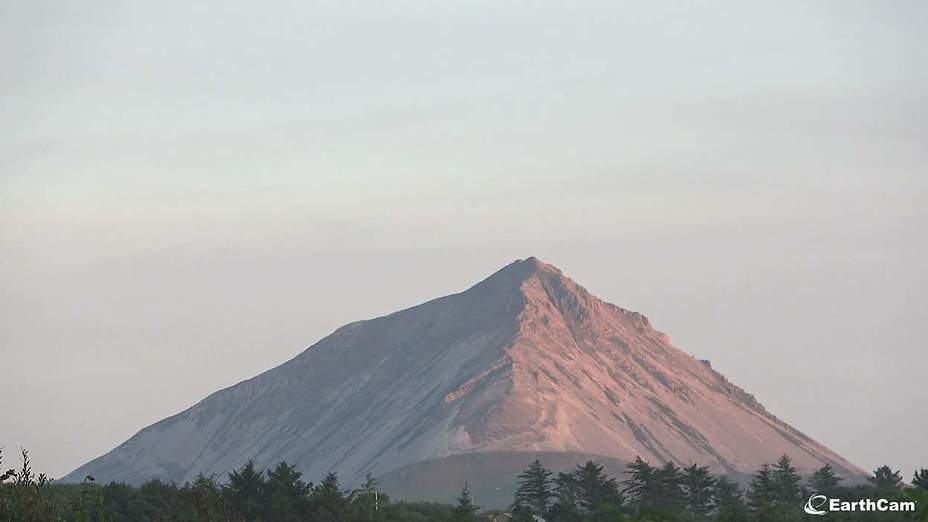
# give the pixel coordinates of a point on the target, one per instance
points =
(194, 192)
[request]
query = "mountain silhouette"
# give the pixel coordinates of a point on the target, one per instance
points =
(524, 361)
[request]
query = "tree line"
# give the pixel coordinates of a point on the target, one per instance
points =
(776, 493)
(248, 494)
(585, 494)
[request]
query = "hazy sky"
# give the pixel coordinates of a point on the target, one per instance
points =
(191, 194)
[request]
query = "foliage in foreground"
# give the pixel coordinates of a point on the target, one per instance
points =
(586, 494)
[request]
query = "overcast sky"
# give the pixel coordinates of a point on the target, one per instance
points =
(194, 192)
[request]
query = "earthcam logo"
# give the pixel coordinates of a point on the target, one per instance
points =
(814, 504)
(822, 505)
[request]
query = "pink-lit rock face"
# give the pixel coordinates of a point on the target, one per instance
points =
(526, 360)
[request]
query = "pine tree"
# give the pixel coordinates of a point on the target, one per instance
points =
(824, 481)
(329, 502)
(565, 508)
(762, 495)
(655, 492)
(787, 482)
(247, 491)
(670, 487)
(465, 511)
(204, 495)
(642, 487)
(787, 487)
(594, 488)
(367, 500)
(533, 496)
(886, 481)
(729, 502)
(698, 489)
(287, 494)
(920, 479)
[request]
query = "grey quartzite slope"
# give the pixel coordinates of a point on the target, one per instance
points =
(526, 360)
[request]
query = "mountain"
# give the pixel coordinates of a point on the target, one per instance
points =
(524, 361)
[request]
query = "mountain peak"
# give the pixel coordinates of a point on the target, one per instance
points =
(538, 265)
(520, 270)
(531, 265)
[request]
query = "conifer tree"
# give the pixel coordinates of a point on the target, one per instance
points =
(287, 494)
(762, 495)
(824, 481)
(247, 491)
(729, 502)
(787, 482)
(641, 487)
(670, 487)
(533, 496)
(594, 488)
(787, 487)
(565, 508)
(920, 479)
(465, 511)
(204, 495)
(329, 502)
(366, 500)
(886, 481)
(654, 492)
(698, 489)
